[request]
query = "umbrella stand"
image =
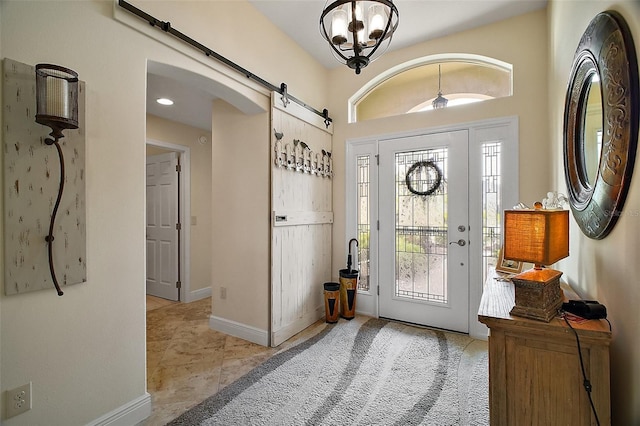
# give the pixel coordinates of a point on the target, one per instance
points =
(348, 287)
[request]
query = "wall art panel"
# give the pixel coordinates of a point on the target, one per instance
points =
(31, 180)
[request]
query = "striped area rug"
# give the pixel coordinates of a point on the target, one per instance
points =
(360, 372)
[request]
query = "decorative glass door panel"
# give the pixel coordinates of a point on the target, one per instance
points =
(421, 226)
(364, 222)
(424, 230)
(491, 205)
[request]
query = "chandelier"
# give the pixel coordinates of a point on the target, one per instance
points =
(358, 31)
(440, 101)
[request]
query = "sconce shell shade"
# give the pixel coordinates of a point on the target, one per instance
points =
(56, 98)
(537, 236)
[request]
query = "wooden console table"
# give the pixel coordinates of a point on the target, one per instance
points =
(534, 368)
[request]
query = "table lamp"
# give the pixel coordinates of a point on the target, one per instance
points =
(540, 237)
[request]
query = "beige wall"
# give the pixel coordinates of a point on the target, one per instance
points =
(159, 129)
(90, 342)
(608, 269)
(521, 41)
(85, 351)
(241, 230)
(413, 87)
(255, 45)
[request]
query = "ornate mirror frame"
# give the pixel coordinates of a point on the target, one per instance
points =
(606, 49)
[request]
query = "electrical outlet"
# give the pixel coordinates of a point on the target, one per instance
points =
(18, 400)
(223, 292)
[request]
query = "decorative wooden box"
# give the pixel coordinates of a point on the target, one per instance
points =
(538, 294)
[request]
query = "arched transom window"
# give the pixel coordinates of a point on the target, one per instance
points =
(412, 87)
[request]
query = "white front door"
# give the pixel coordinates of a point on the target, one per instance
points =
(162, 220)
(424, 230)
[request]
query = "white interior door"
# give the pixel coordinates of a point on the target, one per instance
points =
(424, 247)
(162, 219)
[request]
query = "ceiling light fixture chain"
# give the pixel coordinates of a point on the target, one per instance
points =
(440, 101)
(358, 31)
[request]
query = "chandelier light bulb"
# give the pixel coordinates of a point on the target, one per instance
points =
(339, 27)
(358, 21)
(376, 22)
(360, 37)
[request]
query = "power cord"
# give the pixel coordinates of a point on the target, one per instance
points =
(586, 383)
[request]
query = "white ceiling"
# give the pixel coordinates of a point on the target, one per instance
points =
(419, 21)
(191, 106)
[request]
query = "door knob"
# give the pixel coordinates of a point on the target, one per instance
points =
(460, 242)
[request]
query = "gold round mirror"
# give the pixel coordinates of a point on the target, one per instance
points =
(601, 124)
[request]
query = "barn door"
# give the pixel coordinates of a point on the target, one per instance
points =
(302, 217)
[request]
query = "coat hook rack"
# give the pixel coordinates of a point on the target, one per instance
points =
(299, 157)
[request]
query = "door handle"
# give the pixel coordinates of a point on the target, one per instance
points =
(460, 242)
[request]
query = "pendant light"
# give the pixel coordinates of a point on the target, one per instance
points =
(358, 31)
(440, 101)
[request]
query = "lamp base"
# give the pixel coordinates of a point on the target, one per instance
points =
(538, 294)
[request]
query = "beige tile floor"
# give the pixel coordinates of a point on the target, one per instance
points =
(188, 362)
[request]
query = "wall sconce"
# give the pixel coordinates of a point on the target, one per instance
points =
(540, 237)
(57, 108)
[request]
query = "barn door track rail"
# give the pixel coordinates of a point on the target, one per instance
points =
(166, 27)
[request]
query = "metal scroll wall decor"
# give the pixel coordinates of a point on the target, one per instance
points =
(45, 228)
(605, 62)
(297, 156)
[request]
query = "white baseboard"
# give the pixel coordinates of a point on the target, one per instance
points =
(478, 330)
(131, 413)
(236, 329)
(289, 330)
(199, 294)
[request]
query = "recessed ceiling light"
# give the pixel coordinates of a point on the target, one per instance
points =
(164, 101)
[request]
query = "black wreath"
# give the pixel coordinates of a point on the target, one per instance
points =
(435, 183)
